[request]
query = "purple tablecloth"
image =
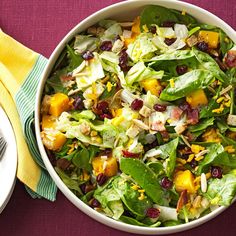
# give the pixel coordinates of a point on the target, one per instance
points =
(40, 25)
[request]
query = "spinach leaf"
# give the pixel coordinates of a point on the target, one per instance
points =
(207, 62)
(171, 223)
(225, 42)
(145, 178)
(82, 159)
(75, 59)
(184, 19)
(130, 197)
(69, 182)
(157, 167)
(227, 141)
(186, 83)
(54, 83)
(222, 191)
(222, 126)
(206, 111)
(64, 150)
(133, 221)
(216, 156)
(156, 15)
(109, 199)
(169, 153)
(202, 125)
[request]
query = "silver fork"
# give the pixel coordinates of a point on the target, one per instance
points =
(3, 145)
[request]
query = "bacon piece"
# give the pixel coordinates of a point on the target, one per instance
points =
(230, 58)
(183, 199)
(192, 116)
(176, 113)
(158, 126)
(130, 154)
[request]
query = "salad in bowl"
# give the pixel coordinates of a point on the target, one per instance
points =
(139, 120)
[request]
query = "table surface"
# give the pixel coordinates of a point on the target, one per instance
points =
(41, 25)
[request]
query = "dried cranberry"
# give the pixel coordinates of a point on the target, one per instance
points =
(82, 187)
(51, 157)
(168, 24)
(95, 203)
(130, 154)
(166, 183)
(117, 37)
(193, 163)
(137, 104)
(230, 58)
(164, 134)
(101, 179)
(108, 116)
(158, 107)
(87, 55)
(202, 46)
(181, 69)
(89, 187)
(185, 106)
(153, 29)
(123, 60)
(192, 116)
(216, 172)
(63, 163)
(78, 103)
(103, 106)
(152, 213)
(169, 41)
(106, 46)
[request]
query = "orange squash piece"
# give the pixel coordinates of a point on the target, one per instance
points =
(59, 102)
(108, 166)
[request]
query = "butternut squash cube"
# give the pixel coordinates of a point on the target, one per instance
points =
(136, 26)
(48, 122)
(107, 166)
(59, 102)
(184, 180)
(54, 140)
(197, 98)
(152, 85)
(135, 31)
(210, 37)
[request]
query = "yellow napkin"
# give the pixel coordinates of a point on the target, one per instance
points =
(20, 70)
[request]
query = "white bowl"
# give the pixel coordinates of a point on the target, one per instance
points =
(122, 11)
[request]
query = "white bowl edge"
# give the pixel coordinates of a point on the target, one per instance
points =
(111, 12)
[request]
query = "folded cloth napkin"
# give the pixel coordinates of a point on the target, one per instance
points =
(20, 72)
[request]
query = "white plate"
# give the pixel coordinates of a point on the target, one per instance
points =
(8, 163)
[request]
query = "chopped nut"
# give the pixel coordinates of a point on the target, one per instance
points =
(133, 131)
(140, 124)
(145, 111)
(197, 202)
(84, 128)
(180, 128)
(191, 41)
(126, 24)
(117, 46)
(231, 120)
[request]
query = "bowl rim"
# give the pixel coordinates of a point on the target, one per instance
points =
(64, 189)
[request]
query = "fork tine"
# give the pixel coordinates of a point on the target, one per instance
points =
(3, 145)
